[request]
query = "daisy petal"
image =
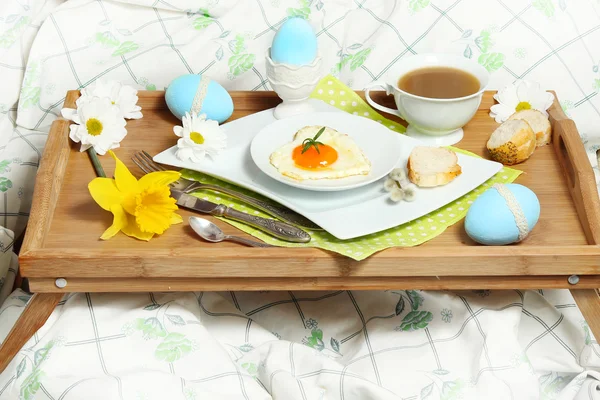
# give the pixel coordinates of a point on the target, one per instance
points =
(501, 112)
(105, 192)
(119, 221)
(69, 113)
(178, 130)
(126, 182)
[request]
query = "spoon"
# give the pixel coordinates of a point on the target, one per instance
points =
(212, 233)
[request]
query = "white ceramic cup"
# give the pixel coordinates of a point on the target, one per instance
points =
(435, 121)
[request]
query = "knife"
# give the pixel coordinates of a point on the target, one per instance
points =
(278, 229)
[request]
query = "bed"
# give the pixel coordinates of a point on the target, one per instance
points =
(291, 345)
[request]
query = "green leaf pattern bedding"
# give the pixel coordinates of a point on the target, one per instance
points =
(349, 345)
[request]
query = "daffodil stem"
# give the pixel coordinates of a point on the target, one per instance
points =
(96, 162)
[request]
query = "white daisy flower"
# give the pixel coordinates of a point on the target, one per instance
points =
(521, 95)
(125, 97)
(98, 124)
(199, 137)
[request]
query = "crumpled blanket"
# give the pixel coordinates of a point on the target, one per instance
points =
(289, 345)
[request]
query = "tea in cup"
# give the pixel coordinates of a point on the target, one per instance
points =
(437, 94)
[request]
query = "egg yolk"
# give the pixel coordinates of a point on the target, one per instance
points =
(312, 159)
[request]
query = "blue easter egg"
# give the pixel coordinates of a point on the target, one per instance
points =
(490, 220)
(295, 43)
(198, 94)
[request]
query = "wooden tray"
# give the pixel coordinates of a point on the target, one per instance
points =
(62, 240)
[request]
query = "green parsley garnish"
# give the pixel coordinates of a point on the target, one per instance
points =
(308, 142)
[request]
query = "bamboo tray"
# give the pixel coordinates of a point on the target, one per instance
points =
(62, 240)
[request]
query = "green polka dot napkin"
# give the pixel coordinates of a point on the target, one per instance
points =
(413, 233)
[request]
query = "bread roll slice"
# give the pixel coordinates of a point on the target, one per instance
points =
(538, 122)
(432, 166)
(512, 142)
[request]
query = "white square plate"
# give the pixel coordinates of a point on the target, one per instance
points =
(344, 214)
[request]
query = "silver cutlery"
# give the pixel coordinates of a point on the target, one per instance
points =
(278, 229)
(145, 162)
(212, 233)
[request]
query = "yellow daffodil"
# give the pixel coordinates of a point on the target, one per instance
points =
(141, 208)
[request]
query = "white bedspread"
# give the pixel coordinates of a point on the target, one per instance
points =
(287, 345)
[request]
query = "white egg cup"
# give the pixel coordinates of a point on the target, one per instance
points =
(293, 84)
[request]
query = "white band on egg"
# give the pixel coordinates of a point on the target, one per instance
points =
(515, 209)
(200, 95)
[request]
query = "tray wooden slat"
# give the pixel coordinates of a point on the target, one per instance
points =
(65, 224)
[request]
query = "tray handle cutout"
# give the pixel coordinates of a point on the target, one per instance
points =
(577, 170)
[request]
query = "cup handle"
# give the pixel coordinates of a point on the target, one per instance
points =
(373, 104)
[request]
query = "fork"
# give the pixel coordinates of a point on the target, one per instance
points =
(145, 162)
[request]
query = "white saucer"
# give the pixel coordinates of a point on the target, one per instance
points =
(381, 146)
(435, 141)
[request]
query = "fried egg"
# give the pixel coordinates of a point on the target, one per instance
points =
(337, 157)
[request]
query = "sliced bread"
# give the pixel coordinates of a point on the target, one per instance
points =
(512, 142)
(432, 166)
(539, 124)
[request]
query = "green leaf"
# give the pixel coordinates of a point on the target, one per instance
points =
(30, 96)
(151, 328)
(416, 300)
(151, 307)
(597, 84)
(107, 39)
(125, 48)
(400, 306)
(426, 391)
(303, 12)
(224, 34)
(151, 86)
(5, 184)
(359, 58)
(40, 355)
(451, 390)
(335, 345)
(246, 347)
(346, 58)
(484, 41)
(595, 68)
(4, 166)
(21, 367)
(173, 347)
(468, 53)
(250, 367)
(417, 5)
(317, 333)
(219, 53)
(466, 34)
(355, 46)
(237, 45)
(124, 32)
(31, 385)
(441, 372)
(202, 22)
(175, 319)
(492, 61)
(545, 6)
(415, 320)
(240, 63)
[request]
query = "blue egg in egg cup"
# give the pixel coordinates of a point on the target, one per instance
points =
(294, 67)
